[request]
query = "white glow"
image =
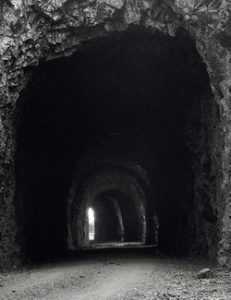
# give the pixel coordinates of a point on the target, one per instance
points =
(91, 215)
(91, 223)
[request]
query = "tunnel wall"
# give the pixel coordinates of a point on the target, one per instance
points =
(120, 219)
(39, 30)
(202, 142)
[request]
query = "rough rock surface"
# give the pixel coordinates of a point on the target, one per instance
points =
(33, 31)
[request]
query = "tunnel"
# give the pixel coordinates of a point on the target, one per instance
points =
(130, 215)
(107, 220)
(118, 199)
(127, 119)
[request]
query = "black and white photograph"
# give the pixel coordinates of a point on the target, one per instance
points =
(115, 149)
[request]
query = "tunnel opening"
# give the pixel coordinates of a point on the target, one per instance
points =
(135, 96)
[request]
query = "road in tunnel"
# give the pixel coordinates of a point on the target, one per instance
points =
(120, 275)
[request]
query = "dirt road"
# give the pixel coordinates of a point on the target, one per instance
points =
(115, 275)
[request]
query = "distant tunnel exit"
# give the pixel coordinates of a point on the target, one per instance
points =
(91, 223)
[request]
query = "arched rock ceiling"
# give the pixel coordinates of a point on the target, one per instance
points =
(33, 30)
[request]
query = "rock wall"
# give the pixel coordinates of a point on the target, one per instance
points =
(203, 145)
(32, 31)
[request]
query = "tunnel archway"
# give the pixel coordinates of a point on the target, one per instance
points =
(111, 186)
(154, 88)
(133, 231)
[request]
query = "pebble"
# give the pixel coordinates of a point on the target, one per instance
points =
(204, 273)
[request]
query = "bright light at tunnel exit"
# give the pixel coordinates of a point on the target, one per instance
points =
(91, 223)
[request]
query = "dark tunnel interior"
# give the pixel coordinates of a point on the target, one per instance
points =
(128, 212)
(107, 225)
(129, 96)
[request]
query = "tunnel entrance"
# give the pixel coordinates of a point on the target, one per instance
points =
(138, 99)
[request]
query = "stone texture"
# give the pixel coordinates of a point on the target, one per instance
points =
(32, 31)
(203, 142)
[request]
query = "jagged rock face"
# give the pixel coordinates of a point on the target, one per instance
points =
(33, 31)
